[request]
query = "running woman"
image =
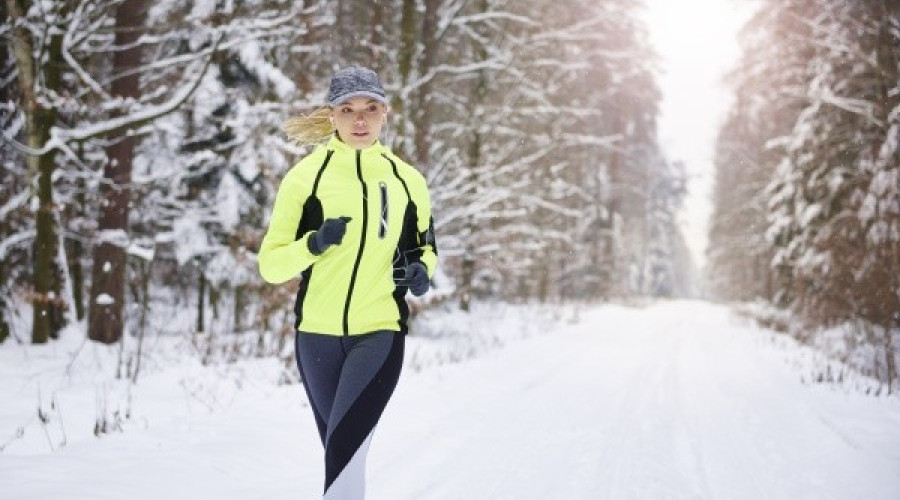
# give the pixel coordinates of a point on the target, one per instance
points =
(354, 222)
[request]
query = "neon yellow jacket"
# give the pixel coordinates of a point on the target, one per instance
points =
(350, 288)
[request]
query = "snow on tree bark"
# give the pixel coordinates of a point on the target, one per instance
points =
(105, 317)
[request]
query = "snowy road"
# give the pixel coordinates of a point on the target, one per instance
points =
(676, 401)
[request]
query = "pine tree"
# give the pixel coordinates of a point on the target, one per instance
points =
(834, 151)
(769, 83)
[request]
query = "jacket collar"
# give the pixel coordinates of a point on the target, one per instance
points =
(339, 146)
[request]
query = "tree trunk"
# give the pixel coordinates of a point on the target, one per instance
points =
(213, 300)
(5, 96)
(890, 357)
(351, 23)
(377, 25)
(48, 307)
(4, 301)
(105, 321)
(75, 249)
(429, 56)
(201, 305)
(467, 274)
(886, 56)
(404, 67)
(543, 291)
(146, 271)
(479, 91)
(239, 306)
(75, 252)
(466, 277)
(612, 269)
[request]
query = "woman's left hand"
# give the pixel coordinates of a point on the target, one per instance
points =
(416, 279)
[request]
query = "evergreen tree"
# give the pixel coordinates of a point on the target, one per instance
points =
(768, 85)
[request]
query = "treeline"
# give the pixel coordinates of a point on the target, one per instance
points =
(807, 199)
(142, 150)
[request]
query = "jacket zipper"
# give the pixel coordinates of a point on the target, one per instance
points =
(362, 242)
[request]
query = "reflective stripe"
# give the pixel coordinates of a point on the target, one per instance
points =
(382, 229)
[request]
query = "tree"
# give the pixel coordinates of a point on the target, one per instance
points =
(769, 86)
(63, 109)
(105, 321)
(834, 153)
(533, 122)
(207, 175)
(37, 46)
(815, 120)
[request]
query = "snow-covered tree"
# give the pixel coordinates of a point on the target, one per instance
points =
(832, 185)
(36, 29)
(768, 85)
(815, 121)
(559, 120)
(66, 57)
(207, 175)
(533, 122)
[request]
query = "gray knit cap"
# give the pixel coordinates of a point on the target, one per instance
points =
(355, 81)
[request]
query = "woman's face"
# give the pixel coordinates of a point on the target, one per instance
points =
(358, 121)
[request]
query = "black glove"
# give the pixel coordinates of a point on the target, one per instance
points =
(416, 279)
(331, 233)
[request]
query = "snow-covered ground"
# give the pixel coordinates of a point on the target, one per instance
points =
(676, 400)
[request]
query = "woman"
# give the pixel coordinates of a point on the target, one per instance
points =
(354, 221)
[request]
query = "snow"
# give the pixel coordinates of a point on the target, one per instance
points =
(117, 237)
(13, 203)
(190, 238)
(675, 400)
(202, 9)
(60, 138)
(229, 202)
(104, 300)
(810, 212)
(15, 240)
(252, 56)
(141, 252)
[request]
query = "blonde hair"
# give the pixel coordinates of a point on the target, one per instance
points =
(309, 129)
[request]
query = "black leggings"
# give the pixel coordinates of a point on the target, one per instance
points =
(349, 380)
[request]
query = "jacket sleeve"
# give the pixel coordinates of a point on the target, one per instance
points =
(427, 246)
(281, 256)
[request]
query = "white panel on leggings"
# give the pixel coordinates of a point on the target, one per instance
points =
(351, 482)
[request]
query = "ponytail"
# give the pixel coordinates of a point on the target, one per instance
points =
(309, 129)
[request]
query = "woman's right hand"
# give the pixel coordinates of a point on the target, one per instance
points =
(330, 233)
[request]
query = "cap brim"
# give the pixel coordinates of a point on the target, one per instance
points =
(362, 93)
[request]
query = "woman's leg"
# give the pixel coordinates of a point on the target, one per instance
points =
(368, 379)
(350, 403)
(320, 359)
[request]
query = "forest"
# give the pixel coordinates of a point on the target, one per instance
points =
(807, 197)
(142, 149)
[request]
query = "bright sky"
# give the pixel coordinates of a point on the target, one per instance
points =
(697, 44)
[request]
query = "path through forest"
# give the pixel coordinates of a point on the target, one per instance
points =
(679, 400)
